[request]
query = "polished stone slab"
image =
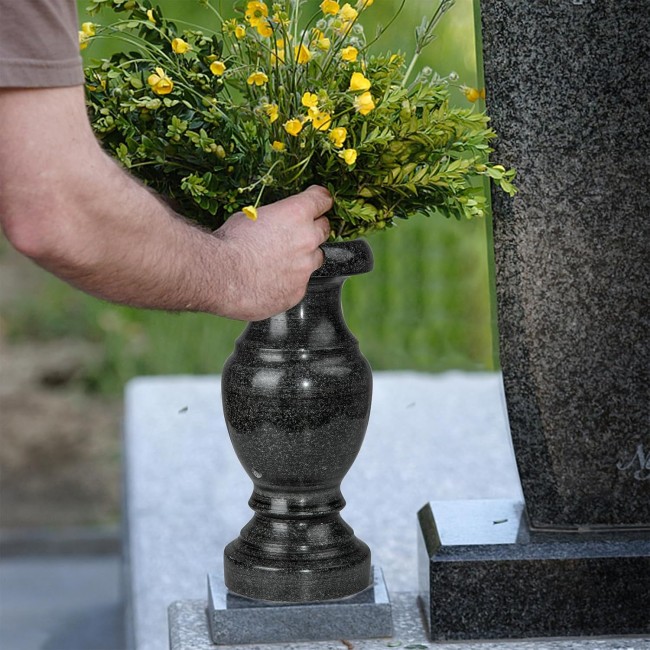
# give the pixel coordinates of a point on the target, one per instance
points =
(237, 620)
(484, 575)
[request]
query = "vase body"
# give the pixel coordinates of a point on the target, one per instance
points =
(572, 256)
(296, 396)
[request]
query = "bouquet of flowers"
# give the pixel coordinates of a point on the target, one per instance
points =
(243, 111)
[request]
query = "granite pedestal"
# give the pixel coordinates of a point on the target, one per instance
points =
(485, 574)
(237, 620)
(186, 491)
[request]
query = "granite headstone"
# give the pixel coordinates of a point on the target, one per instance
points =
(566, 86)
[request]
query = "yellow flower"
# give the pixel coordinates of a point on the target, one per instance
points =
(180, 46)
(349, 54)
(281, 19)
(102, 84)
(229, 25)
(359, 82)
(258, 78)
(364, 4)
(150, 16)
(330, 7)
(338, 136)
(217, 68)
(321, 120)
(264, 29)
(256, 12)
(293, 127)
(83, 40)
(240, 31)
(474, 94)
(302, 53)
(272, 111)
(323, 43)
(349, 155)
(160, 83)
(251, 212)
(348, 13)
(364, 103)
(88, 29)
(320, 40)
(310, 100)
(278, 146)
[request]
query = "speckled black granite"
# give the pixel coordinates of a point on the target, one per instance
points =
(567, 84)
(345, 259)
(234, 620)
(296, 397)
(484, 576)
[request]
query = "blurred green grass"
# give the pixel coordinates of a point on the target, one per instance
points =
(426, 306)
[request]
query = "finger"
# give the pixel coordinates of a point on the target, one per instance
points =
(323, 226)
(318, 259)
(308, 205)
(321, 199)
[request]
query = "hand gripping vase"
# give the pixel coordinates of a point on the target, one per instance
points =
(296, 396)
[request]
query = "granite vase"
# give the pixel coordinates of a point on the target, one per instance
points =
(296, 396)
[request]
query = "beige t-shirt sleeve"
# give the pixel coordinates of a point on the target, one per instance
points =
(39, 44)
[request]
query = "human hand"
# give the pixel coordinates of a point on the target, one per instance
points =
(269, 261)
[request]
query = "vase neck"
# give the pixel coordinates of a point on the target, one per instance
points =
(315, 322)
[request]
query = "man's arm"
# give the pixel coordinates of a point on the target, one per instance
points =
(65, 204)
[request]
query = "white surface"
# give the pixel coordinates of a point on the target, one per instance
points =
(430, 437)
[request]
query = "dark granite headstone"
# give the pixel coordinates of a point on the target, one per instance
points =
(567, 88)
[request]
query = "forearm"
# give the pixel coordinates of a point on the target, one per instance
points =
(109, 236)
(76, 213)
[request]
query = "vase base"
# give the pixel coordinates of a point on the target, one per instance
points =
(297, 580)
(236, 620)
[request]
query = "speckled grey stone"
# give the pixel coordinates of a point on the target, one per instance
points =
(188, 626)
(567, 85)
(236, 620)
(484, 576)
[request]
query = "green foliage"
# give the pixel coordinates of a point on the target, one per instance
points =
(220, 121)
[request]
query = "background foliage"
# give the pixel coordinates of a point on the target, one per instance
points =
(425, 307)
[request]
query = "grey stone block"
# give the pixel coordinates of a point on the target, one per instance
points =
(484, 575)
(237, 620)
